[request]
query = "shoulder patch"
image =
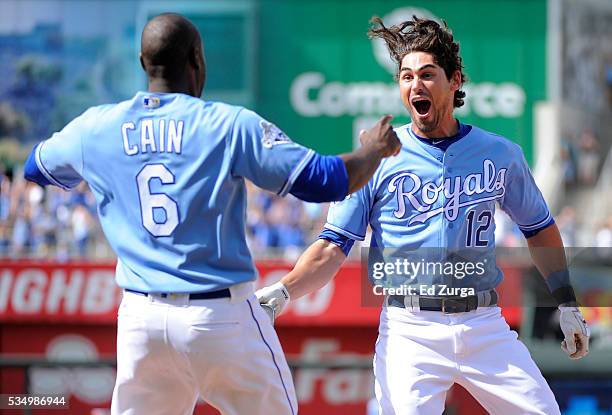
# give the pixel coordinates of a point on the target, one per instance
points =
(272, 135)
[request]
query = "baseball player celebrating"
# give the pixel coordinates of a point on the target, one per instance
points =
(168, 172)
(440, 192)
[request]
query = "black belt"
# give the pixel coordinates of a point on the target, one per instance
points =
(448, 305)
(210, 295)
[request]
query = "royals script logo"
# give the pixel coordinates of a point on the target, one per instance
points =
(488, 185)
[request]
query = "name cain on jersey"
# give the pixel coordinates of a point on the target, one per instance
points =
(169, 137)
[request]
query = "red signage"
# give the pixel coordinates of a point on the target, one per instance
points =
(71, 292)
(87, 293)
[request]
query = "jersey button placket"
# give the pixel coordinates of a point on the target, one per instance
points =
(442, 201)
(446, 175)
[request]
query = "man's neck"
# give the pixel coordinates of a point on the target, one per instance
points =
(449, 128)
(166, 86)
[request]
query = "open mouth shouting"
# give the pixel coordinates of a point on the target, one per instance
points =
(421, 106)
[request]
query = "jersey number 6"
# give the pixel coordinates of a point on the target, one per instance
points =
(150, 202)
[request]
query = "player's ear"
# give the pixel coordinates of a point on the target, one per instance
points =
(142, 62)
(455, 81)
(195, 58)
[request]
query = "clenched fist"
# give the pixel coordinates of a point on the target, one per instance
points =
(575, 330)
(381, 137)
(273, 299)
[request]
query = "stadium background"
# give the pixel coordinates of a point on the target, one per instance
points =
(540, 73)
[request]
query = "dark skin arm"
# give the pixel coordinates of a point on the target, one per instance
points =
(378, 142)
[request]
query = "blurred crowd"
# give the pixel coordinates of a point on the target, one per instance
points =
(55, 224)
(48, 222)
(52, 223)
(581, 159)
(281, 227)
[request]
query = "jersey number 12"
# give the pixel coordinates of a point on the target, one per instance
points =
(475, 228)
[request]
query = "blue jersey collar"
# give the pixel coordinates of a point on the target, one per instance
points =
(444, 143)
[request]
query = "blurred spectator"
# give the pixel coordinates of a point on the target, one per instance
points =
(603, 237)
(569, 163)
(43, 232)
(588, 158)
(568, 226)
(82, 222)
(21, 232)
(507, 234)
(608, 71)
(5, 205)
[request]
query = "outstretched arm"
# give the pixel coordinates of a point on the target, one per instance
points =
(315, 268)
(331, 178)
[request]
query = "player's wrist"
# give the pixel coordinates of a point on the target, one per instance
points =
(565, 297)
(569, 304)
(275, 296)
(281, 289)
(376, 150)
(560, 287)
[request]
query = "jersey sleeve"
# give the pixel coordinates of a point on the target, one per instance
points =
(351, 216)
(341, 241)
(60, 158)
(262, 153)
(522, 200)
(324, 179)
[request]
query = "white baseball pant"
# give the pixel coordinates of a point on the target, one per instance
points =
(420, 354)
(172, 350)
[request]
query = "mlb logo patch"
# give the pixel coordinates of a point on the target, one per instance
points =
(151, 102)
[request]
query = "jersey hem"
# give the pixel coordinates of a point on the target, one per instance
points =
(534, 232)
(344, 232)
(536, 225)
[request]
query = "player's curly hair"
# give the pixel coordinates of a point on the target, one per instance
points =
(422, 35)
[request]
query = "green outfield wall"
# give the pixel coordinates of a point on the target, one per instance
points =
(322, 79)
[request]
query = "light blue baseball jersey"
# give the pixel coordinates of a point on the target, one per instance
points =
(168, 171)
(429, 198)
